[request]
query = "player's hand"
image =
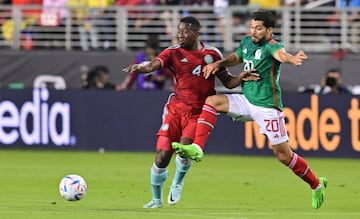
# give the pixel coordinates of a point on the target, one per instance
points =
(132, 68)
(299, 58)
(249, 75)
(137, 68)
(210, 69)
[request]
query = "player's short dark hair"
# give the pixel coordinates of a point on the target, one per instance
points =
(195, 23)
(264, 15)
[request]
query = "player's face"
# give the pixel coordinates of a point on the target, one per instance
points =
(187, 37)
(258, 31)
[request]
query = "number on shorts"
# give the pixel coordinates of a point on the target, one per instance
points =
(271, 125)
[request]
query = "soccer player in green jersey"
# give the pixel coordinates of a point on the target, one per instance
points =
(260, 102)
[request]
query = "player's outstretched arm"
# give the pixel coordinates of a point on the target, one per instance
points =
(230, 81)
(229, 61)
(282, 56)
(144, 67)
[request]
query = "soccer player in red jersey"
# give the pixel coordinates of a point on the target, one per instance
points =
(261, 100)
(185, 60)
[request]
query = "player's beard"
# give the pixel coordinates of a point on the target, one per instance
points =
(257, 40)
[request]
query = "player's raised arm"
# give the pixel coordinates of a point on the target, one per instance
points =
(282, 56)
(144, 67)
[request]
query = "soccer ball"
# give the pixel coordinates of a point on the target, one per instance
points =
(72, 187)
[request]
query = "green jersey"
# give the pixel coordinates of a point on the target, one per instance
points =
(265, 92)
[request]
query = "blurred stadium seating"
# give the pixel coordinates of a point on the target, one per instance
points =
(311, 29)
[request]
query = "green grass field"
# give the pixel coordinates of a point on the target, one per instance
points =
(219, 187)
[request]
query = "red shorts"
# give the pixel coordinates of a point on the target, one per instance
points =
(178, 120)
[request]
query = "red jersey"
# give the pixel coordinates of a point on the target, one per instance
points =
(190, 86)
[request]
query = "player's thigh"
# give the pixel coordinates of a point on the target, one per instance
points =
(238, 107)
(220, 102)
(271, 123)
(170, 130)
(189, 124)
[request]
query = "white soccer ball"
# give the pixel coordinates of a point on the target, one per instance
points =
(72, 187)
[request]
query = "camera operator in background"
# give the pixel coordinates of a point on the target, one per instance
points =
(97, 78)
(332, 83)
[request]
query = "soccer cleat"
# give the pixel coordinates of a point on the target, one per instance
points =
(175, 194)
(319, 194)
(192, 151)
(155, 203)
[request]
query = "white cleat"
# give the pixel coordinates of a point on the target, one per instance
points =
(175, 194)
(155, 203)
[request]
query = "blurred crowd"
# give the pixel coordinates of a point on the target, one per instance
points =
(92, 22)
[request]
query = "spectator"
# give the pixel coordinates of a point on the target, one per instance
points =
(90, 16)
(294, 2)
(152, 81)
(240, 24)
(97, 78)
(99, 21)
(336, 24)
(142, 18)
(31, 14)
(332, 83)
(220, 7)
(30, 17)
(54, 12)
(80, 13)
(169, 18)
(265, 3)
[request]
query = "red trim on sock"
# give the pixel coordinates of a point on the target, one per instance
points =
(300, 167)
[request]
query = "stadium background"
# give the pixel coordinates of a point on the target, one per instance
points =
(115, 120)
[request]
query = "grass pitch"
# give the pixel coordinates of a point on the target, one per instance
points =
(219, 187)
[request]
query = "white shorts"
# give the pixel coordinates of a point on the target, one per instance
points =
(270, 120)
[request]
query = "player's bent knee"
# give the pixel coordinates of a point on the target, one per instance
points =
(211, 100)
(218, 102)
(214, 100)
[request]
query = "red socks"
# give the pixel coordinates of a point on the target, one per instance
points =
(206, 123)
(299, 166)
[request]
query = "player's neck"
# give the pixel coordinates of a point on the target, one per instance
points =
(196, 46)
(199, 46)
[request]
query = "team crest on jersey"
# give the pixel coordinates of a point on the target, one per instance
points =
(208, 59)
(165, 127)
(258, 54)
